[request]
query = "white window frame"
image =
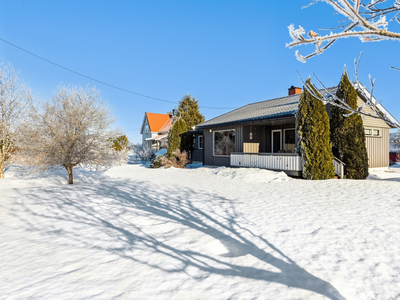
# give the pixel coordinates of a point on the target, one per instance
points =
(198, 141)
(284, 141)
(214, 131)
(272, 138)
(372, 132)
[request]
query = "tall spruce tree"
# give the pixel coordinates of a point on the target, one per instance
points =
(313, 129)
(174, 139)
(188, 110)
(347, 133)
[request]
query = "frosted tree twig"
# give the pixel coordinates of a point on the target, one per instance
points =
(327, 96)
(367, 21)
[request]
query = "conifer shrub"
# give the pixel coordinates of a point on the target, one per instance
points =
(174, 138)
(157, 162)
(347, 133)
(314, 144)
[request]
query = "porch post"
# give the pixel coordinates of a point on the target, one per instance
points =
(296, 136)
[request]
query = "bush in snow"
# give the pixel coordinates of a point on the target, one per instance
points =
(143, 152)
(120, 145)
(177, 160)
(157, 162)
(347, 133)
(313, 129)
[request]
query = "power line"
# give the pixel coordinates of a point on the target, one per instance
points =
(99, 81)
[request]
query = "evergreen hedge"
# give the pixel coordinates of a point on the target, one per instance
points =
(347, 133)
(313, 130)
(174, 138)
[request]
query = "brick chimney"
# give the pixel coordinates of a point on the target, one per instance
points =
(294, 90)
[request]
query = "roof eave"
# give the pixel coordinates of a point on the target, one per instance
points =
(251, 120)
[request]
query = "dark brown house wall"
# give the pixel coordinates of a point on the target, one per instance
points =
(269, 129)
(209, 158)
(258, 136)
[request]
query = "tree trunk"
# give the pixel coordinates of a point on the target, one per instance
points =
(2, 171)
(70, 177)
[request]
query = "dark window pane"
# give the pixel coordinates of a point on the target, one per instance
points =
(224, 142)
(289, 140)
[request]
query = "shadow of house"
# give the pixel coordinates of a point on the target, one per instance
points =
(112, 208)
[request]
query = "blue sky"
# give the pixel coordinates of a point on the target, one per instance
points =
(224, 53)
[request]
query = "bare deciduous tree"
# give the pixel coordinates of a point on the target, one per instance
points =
(367, 21)
(74, 129)
(13, 97)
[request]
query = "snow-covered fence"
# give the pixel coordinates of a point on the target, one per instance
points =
(271, 161)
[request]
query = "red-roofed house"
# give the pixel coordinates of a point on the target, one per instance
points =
(154, 131)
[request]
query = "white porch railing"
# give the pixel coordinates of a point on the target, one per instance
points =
(339, 167)
(271, 161)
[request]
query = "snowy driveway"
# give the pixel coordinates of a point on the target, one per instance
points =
(138, 233)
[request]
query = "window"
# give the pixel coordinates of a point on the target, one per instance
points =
(289, 141)
(224, 142)
(147, 129)
(373, 132)
(200, 142)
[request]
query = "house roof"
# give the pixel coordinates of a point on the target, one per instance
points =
(166, 126)
(269, 109)
(158, 137)
(157, 121)
(264, 110)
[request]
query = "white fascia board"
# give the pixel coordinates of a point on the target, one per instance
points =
(377, 103)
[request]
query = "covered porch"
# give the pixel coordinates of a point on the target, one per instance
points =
(269, 145)
(290, 163)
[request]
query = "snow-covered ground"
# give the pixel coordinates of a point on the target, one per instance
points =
(139, 233)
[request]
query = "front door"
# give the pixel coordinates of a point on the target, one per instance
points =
(276, 141)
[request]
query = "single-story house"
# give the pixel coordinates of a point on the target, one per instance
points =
(263, 135)
(154, 130)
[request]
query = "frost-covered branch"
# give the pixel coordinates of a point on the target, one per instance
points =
(367, 21)
(329, 97)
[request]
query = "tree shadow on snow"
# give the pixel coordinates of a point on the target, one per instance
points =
(113, 208)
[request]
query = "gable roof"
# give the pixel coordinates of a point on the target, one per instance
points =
(157, 121)
(264, 110)
(166, 126)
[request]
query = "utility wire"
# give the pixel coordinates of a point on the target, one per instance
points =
(102, 82)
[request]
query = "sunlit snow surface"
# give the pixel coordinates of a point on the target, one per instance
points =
(139, 233)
